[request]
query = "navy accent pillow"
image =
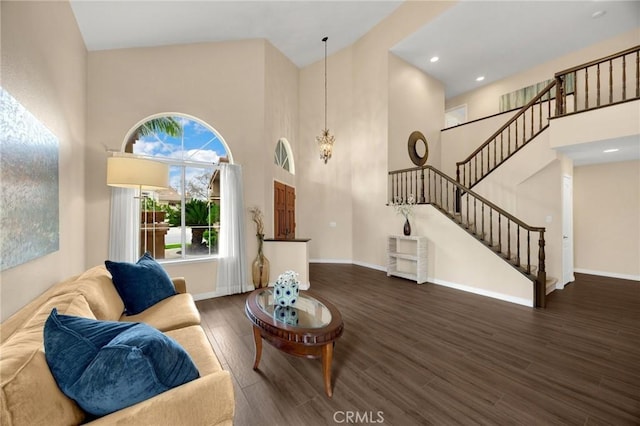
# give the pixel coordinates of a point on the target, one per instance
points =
(106, 366)
(141, 284)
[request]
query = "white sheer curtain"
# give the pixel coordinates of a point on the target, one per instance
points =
(232, 263)
(124, 234)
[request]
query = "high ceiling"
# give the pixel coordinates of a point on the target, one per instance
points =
(295, 27)
(496, 39)
(472, 38)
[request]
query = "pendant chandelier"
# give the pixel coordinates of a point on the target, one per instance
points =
(326, 140)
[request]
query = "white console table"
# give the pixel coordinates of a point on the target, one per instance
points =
(407, 257)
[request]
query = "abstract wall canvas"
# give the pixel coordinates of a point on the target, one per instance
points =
(521, 97)
(29, 213)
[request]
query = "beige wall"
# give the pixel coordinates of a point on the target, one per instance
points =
(281, 121)
(623, 120)
(371, 126)
(458, 260)
(343, 203)
(457, 143)
(222, 84)
(324, 202)
(44, 68)
(607, 219)
(485, 100)
(415, 103)
(539, 203)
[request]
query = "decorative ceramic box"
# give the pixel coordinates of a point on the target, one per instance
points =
(286, 289)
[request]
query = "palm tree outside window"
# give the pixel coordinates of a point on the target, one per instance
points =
(182, 222)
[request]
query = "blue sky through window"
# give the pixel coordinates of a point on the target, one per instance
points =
(197, 144)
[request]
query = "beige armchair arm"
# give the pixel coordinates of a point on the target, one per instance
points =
(180, 284)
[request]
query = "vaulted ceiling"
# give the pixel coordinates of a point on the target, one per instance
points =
(473, 38)
(494, 39)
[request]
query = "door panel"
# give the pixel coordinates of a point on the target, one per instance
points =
(279, 210)
(290, 212)
(284, 211)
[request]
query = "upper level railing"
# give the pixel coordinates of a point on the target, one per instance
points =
(506, 235)
(606, 81)
(528, 122)
(603, 82)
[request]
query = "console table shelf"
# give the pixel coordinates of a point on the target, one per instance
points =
(412, 253)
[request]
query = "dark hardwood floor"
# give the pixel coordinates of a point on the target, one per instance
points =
(426, 354)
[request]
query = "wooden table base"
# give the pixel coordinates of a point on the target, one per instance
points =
(325, 352)
(314, 337)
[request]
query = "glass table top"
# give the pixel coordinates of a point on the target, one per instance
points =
(307, 312)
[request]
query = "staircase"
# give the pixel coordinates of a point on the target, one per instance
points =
(520, 245)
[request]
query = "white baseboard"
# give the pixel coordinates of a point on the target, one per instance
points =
(371, 266)
(481, 292)
(608, 274)
(214, 294)
(350, 262)
(343, 261)
(468, 289)
(208, 295)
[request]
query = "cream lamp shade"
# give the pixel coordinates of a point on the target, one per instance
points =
(138, 173)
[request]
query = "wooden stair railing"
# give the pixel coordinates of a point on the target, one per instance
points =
(525, 125)
(430, 186)
(503, 233)
(534, 117)
(580, 82)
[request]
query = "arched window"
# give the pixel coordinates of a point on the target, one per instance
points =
(283, 156)
(183, 221)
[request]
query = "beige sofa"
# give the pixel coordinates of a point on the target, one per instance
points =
(30, 395)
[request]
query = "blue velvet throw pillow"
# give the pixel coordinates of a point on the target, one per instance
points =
(106, 365)
(141, 284)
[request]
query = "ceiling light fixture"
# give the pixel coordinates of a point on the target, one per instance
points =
(434, 59)
(607, 151)
(480, 78)
(326, 140)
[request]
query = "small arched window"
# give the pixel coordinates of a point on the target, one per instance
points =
(183, 221)
(283, 156)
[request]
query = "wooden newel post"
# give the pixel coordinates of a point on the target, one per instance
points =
(559, 96)
(541, 281)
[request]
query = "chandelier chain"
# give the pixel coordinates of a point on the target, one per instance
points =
(325, 81)
(325, 140)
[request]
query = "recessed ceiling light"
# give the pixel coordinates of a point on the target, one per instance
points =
(598, 14)
(480, 78)
(611, 150)
(434, 59)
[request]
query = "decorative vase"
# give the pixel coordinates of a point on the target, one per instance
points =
(286, 289)
(260, 267)
(407, 227)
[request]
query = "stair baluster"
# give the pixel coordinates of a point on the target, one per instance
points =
(565, 83)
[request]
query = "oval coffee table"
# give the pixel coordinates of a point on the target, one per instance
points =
(309, 329)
